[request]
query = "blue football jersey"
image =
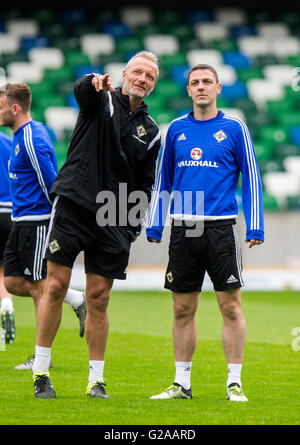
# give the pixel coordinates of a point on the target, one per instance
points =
(5, 199)
(32, 170)
(199, 170)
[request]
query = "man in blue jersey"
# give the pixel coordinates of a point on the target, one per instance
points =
(204, 154)
(6, 309)
(32, 169)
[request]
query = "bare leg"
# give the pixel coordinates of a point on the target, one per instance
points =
(234, 325)
(97, 324)
(3, 291)
(184, 328)
(50, 306)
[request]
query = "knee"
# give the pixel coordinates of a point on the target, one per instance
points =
(183, 310)
(231, 310)
(56, 288)
(15, 286)
(97, 298)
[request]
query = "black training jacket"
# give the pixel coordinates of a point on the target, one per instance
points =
(110, 145)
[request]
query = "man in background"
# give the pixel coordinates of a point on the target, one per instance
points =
(32, 169)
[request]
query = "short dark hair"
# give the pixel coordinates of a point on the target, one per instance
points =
(17, 93)
(204, 66)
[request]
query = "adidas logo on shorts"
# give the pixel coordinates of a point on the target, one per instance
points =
(232, 279)
(27, 271)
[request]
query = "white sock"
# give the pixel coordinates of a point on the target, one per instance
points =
(183, 374)
(7, 304)
(234, 373)
(74, 298)
(42, 359)
(96, 371)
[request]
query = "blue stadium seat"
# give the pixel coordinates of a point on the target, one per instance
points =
(237, 31)
(27, 43)
(236, 59)
(193, 16)
(295, 136)
(238, 90)
(180, 74)
(81, 70)
(71, 101)
(117, 29)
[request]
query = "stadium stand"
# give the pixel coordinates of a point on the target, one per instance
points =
(256, 53)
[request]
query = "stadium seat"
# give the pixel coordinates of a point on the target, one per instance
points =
(236, 59)
(180, 74)
(227, 75)
(9, 43)
(282, 47)
(118, 30)
(283, 74)
(209, 31)
(282, 151)
(47, 57)
(237, 90)
(282, 184)
(253, 46)
(292, 164)
(81, 70)
(263, 150)
(161, 44)
(274, 133)
(24, 72)
(136, 15)
(59, 118)
(26, 43)
(270, 202)
(261, 90)
(271, 30)
(22, 27)
(230, 16)
(295, 136)
(95, 44)
(115, 71)
(235, 112)
(208, 56)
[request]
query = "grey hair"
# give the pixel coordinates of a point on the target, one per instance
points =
(147, 55)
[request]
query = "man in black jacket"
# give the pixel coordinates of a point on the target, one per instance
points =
(113, 152)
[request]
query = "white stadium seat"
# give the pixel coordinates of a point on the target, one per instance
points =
(253, 45)
(292, 164)
(235, 112)
(208, 31)
(115, 71)
(47, 57)
(209, 56)
(136, 15)
(9, 43)
(260, 90)
(285, 46)
(230, 16)
(227, 74)
(22, 27)
(271, 30)
(60, 118)
(282, 74)
(282, 184)
(97, 44)
(161, 44)
(24, 72)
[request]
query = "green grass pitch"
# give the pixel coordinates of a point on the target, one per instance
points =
(140, 363)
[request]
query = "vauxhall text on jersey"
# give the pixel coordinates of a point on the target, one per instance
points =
(207, 156)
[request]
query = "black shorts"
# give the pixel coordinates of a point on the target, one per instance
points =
(73, 229)
(5, 226)
(216, 252)
(24, 251)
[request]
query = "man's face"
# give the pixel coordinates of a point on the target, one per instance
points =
(140, 77)
(6, 114)
(203, 87)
